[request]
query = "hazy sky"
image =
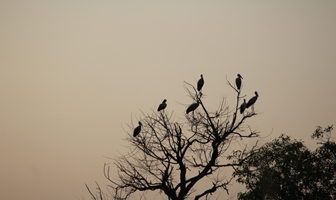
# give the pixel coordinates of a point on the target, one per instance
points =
(73, 74)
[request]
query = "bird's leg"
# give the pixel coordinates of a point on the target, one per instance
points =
(252, 108)
(200, 94)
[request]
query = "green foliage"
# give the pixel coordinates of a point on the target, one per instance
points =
(287, 169)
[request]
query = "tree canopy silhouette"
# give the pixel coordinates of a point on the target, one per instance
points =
(172, 157)
(287, 169)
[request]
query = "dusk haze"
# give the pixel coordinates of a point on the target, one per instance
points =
(77, 77)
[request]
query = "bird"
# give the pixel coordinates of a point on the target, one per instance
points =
(163, 105)
(252, 100)
(239, 81)
(200, 83)
(242, 107)
(192, 107)
(137, 130)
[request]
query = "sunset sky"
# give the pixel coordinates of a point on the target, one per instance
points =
(74, 75)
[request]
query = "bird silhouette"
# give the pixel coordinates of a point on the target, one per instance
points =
(242, 107)
(163, 105)
(200, 83)
(239, 81)
(252, 100)
(192, 107)
(137, 130)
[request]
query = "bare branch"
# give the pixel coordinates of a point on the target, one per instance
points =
(93, 196)
(172, 157)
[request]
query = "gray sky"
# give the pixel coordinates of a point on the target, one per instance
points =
(73, 74)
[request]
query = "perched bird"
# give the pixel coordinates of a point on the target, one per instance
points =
(252, 100)
(192, 107)
(163, 105)
(200, 83)
(137, 130)
(239, 81)
(242, 107)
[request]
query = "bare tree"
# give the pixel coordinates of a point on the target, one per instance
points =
(172, 157)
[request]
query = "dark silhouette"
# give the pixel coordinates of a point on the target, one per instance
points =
(192, 107)
(137, 130)
(239, 81)
(242, 107)
(173, 157)
(163, 105)
(200, 83)
(287, 169)
(252, 101)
